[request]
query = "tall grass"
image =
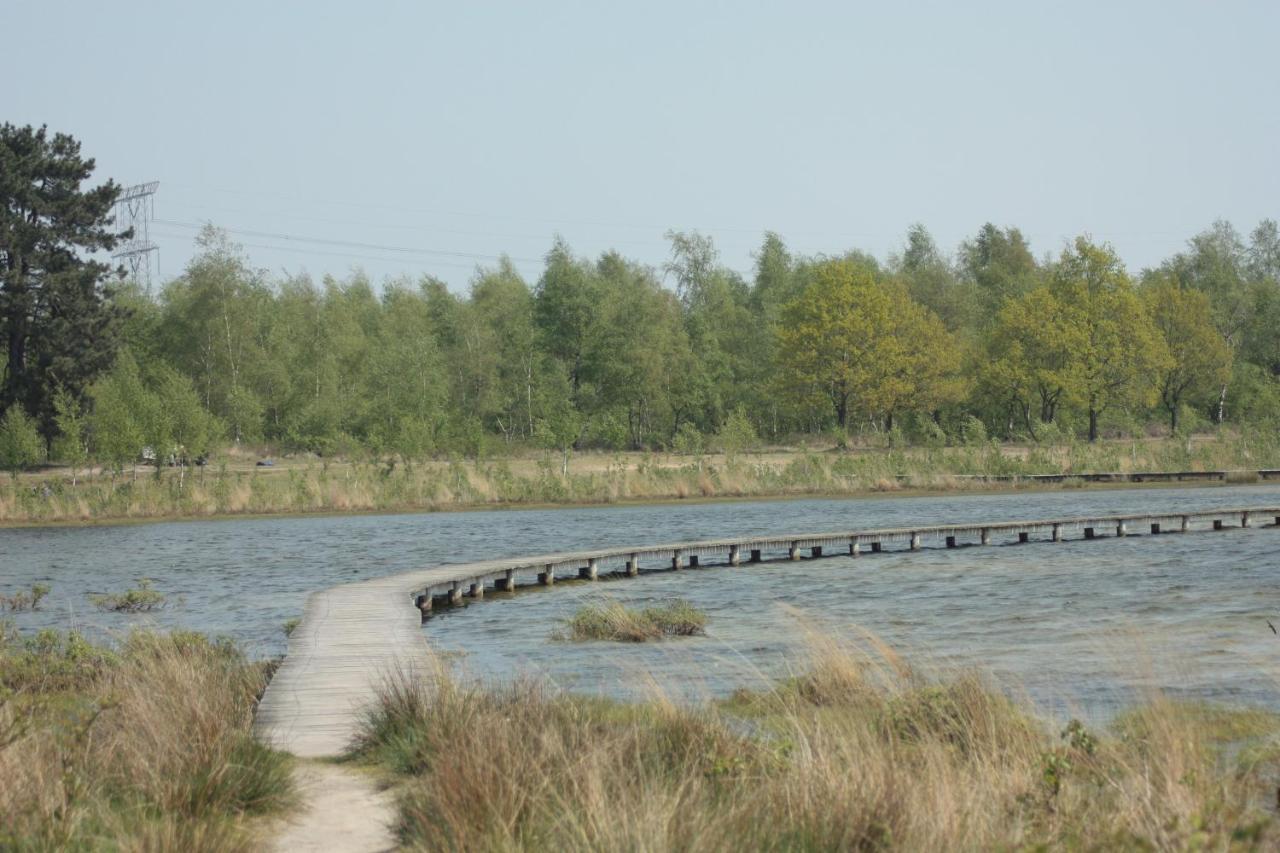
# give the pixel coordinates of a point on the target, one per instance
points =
(144, 748)
(437, 485)
(860, 753)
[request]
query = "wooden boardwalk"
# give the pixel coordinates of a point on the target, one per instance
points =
(352, 636)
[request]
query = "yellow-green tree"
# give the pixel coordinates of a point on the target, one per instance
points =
(1121, 354)
(1032, 357)
(1200, 359)
(831, 337)
(865, 345)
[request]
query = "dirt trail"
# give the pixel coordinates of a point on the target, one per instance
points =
(342, 810)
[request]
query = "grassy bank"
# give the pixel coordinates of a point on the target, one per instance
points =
(859, 754)
(145, 747)
(293, 486)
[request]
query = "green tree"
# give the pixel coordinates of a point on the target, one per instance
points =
(1200, 360)
(69, 447)
(1031, 358)
(56, 317)
(1120, 352)
(832, 339)
(20, 444)
(120, 414)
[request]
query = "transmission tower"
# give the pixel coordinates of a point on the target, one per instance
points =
(134, 211)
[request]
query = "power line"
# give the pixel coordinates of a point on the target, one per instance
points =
(346, 255)
(326, 241)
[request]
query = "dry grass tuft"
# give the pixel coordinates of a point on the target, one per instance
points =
(147, 748)
(858, 753)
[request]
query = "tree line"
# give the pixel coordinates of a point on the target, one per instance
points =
(990, 341)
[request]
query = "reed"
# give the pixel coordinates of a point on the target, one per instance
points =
(860, 752)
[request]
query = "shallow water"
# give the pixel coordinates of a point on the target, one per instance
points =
(1075, 624)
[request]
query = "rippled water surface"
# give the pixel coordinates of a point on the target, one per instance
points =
(1077, 623)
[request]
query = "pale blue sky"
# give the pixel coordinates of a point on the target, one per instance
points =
(480, 128)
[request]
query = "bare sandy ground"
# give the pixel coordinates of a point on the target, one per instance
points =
(342, 810)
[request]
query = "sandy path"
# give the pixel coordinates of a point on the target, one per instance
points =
(342, 810)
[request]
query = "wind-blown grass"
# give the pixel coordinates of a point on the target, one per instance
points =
(859, 753)
(614, 621)
(144, 748)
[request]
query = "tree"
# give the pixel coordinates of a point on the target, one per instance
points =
(69, 447)
(1031, 354)
(118, 422)
(20, 444)
(1000, 266)
(56, 318)
(1119, 353)
(1200, 360)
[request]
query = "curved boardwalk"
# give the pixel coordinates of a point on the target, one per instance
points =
(352, 636)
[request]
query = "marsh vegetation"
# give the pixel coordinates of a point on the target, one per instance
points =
(612, 620)
(142, 747)
(861, 752)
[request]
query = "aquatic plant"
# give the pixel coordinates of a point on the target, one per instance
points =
(614, 621)
(141, 599)
(25, 600)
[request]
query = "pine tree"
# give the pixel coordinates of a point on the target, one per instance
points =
(57, 321)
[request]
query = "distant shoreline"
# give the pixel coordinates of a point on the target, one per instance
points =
(969, 487)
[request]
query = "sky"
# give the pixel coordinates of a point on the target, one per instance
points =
(428, 138)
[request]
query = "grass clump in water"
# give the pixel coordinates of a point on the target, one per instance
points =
(143, 599)
(614, 621)
(25, 600)
(144, 747)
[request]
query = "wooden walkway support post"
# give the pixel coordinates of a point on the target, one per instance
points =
(476, 589)
(915, 541)
(506, 583)
(735, 552)
(455, 593)
(793, 553)
(1057, 533)
(855, 547)
(677, 560)
(985, 536)
(592, 570)
(1186, 523)
(1122, 529)
(633, 565)
(547, 577)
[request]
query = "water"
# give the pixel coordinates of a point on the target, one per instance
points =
(1074, 624)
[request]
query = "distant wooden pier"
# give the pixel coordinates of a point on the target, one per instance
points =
(352, 636)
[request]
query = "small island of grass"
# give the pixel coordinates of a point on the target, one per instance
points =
(616, 622)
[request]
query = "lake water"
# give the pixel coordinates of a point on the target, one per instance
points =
(1078, 624)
